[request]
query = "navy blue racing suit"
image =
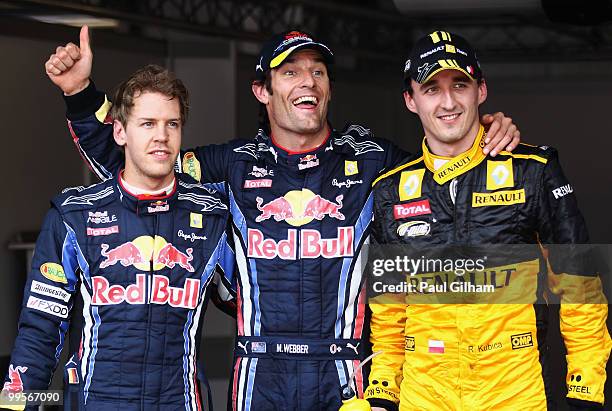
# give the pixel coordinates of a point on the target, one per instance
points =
(144, 268)
(300, 221)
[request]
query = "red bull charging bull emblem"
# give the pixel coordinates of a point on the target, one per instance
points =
(146, 253)
(15, 385)
(299, 207)
(145, 249)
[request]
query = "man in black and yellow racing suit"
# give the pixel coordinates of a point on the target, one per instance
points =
(480, 356)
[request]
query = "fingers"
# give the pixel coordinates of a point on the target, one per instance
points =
(84, 40)
(501, 134)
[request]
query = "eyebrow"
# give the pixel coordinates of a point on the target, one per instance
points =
(292, 60)
(154, 119)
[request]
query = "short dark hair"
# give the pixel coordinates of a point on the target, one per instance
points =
(150, 78)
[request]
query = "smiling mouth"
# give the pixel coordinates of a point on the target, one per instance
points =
(449, 117)
(306, 102)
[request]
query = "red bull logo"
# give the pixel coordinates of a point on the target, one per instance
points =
(161, 292)
(15, 385)
(143, 251)
(299, 207)
(311, 245)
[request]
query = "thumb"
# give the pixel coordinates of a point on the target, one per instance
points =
(84, 40)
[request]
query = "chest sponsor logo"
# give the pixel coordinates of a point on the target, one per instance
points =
(100, 217)
(411, 209)
(261, 172)
(414, 229)
(562, 191)
(346, 183)
(500, 174)
(299, 207)
(410, 184)
(190, 236)
(49, 307)
(521, 341)
(49, 290)
(53, 272)
(409, 344)
(498, 198)
(98, 231)
(195, 220)
(311, 245)
(263, 183)
(160, 292)
(145, 252)
(350, 168)
(191, 165)
(308, 161)
(15, 384)
(158, 207)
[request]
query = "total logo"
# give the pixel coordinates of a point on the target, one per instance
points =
(161, 292)
(299, 207)
(143, 250)
(311, 245)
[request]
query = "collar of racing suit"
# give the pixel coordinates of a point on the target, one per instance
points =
(145, 204)
(268, 151)
(455, 166)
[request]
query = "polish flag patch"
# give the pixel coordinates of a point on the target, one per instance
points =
(436, 347)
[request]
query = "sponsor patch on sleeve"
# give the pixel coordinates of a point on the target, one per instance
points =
(54, 272)
(49, 307)
(49, 290)
(191, 166)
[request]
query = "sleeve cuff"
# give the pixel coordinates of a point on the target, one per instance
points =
(84, 103)
(386, 404)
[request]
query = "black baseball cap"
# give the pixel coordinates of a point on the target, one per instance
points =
(281, 45)
(437, 51)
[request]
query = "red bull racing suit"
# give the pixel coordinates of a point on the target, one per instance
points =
(143, 267)
(300, 222)
(491, 355)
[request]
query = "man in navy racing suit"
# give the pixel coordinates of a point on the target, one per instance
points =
(141, 250)
(300, 198)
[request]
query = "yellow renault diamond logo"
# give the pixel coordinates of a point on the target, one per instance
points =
(410, 184)
(499, 174)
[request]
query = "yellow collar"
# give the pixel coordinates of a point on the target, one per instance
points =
(458, 165)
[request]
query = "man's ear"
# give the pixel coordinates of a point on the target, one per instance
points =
(482, 92)
(260, 92)
(410, 102)
(119, 133)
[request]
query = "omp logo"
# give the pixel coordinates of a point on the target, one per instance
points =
(521, 341)
(409, 344)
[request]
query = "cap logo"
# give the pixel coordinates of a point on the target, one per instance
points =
(438, 36)
(424, 71)
(450, 48)
(293, 34)
(407, 65)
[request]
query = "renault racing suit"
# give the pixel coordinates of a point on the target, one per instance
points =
(300, 222)
(486, 356)
(143, 267)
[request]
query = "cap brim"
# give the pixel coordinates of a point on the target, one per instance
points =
(327, 54)
(436, 71)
